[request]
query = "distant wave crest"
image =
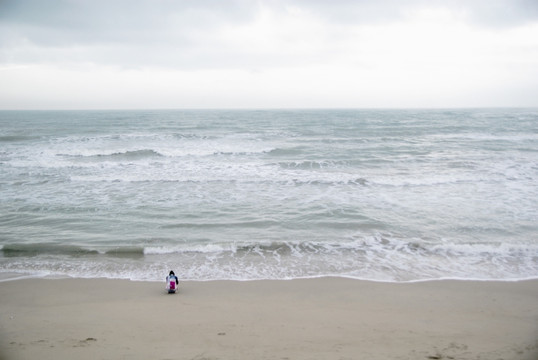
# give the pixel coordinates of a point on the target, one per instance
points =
(120, 155)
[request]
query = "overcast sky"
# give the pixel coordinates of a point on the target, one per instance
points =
(106, 54)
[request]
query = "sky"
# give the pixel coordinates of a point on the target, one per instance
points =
(152, 54)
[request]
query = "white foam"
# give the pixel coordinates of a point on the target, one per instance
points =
(378, 259)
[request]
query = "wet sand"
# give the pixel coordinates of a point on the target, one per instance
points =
(326, 318)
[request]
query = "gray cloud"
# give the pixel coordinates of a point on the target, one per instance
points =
(65, 22)
(170, 33)
(185, 34)
(503, 13)
(497, 13)
(57, 22)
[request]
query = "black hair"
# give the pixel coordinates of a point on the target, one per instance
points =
(171, 273)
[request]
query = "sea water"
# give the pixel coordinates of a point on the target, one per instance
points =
(386, 195)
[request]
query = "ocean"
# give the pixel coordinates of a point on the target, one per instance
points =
(383, 195)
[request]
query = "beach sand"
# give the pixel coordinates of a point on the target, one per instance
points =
(327, 318)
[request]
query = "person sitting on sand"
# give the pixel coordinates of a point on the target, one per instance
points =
(171, 283)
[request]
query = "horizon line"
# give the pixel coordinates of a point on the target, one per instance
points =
(276, 108)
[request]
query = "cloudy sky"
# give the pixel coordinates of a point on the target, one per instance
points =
(120, 54)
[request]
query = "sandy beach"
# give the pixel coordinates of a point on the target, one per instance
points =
(327, 318)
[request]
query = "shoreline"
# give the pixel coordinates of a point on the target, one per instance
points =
(15, 276)
(318, 318)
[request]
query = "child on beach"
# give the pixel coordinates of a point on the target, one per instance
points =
(171, 282)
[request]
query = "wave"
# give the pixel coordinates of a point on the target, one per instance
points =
(207, 180)
(283, 248)
(125, 251)
(131, 155)
(515, 138)
(377, 258)
(382, 244)
(229, 224)
(237, 175)
(120, 155)
(35, 249)
(17, 138)
(312, 165)
(12, 250)
(292, 151)
(165, 151)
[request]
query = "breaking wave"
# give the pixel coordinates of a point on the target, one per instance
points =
(381, 258)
